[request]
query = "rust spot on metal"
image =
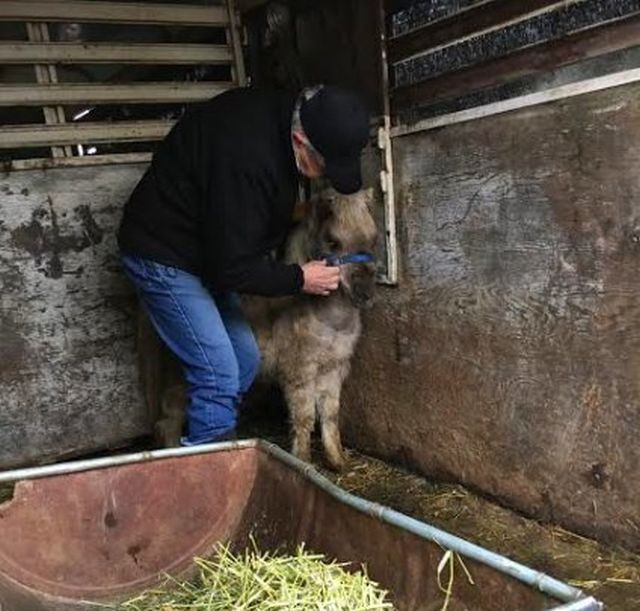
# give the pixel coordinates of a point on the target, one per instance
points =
(110, 521)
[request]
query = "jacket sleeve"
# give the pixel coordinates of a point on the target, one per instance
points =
(237, 231)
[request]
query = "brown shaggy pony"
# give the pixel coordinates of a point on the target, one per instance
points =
(306, 341)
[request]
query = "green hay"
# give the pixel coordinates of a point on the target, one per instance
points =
(259, 581)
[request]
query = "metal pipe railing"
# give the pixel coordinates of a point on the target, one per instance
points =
(576, 599)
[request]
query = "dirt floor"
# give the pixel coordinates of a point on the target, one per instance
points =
(610, 574)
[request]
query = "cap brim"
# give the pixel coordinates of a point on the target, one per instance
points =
(345, 175)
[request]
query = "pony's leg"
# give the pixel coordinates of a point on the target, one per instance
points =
(301, 404)
(328, 389)
(168, 429)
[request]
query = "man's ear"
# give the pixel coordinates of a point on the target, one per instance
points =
(298, 137)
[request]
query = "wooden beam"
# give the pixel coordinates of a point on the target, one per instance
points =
(39, 32)
(536, 59)
(113, 12)
(617, 79)
(387, 182)
(472, 21)
(109, 53)
(74, 162)
(27, 136)
(99, 93)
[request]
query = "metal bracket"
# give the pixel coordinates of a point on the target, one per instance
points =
(386, 174)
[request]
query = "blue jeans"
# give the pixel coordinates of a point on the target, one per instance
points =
(209, 334)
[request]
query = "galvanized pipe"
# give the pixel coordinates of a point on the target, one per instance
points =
(576, 599)
(538, 580)
(586, 604)
(78, 466)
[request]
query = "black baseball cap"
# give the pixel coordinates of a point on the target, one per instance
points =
(337, 124)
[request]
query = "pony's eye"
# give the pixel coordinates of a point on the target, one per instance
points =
(331, 241)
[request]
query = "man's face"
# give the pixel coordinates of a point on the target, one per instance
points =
(310, 162)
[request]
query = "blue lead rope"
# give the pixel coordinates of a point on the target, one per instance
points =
(353, 257)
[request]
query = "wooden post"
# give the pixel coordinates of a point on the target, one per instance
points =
(39, 32)
(386, 174)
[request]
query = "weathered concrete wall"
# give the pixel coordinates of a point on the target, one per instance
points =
(509, 356)
(68, 371)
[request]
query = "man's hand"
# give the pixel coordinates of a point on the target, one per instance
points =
(319, 278)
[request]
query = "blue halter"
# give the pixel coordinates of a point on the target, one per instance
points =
(352, 257)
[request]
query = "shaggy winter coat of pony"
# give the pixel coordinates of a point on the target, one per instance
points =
(307, 342)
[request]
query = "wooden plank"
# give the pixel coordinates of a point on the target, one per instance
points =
(387, 182)
(473, 21)
(512, 344)
(69, 378)
(113, 12)
(99, 93)
(535, 59)
(74, 162)
(534, 99)
(38, 32)
(100, 53)
(26, 136)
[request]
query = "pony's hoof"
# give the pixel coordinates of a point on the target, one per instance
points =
(337, 461)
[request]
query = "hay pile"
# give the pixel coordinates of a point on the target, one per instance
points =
(259, 581)
(609, 573)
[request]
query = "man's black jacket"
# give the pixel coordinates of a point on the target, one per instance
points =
(219, 195)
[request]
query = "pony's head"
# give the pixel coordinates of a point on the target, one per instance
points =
(344, 232)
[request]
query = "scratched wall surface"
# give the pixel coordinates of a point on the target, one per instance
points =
(509, 356)
(68, 370)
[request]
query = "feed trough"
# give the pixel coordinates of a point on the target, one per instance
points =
(103, 530)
